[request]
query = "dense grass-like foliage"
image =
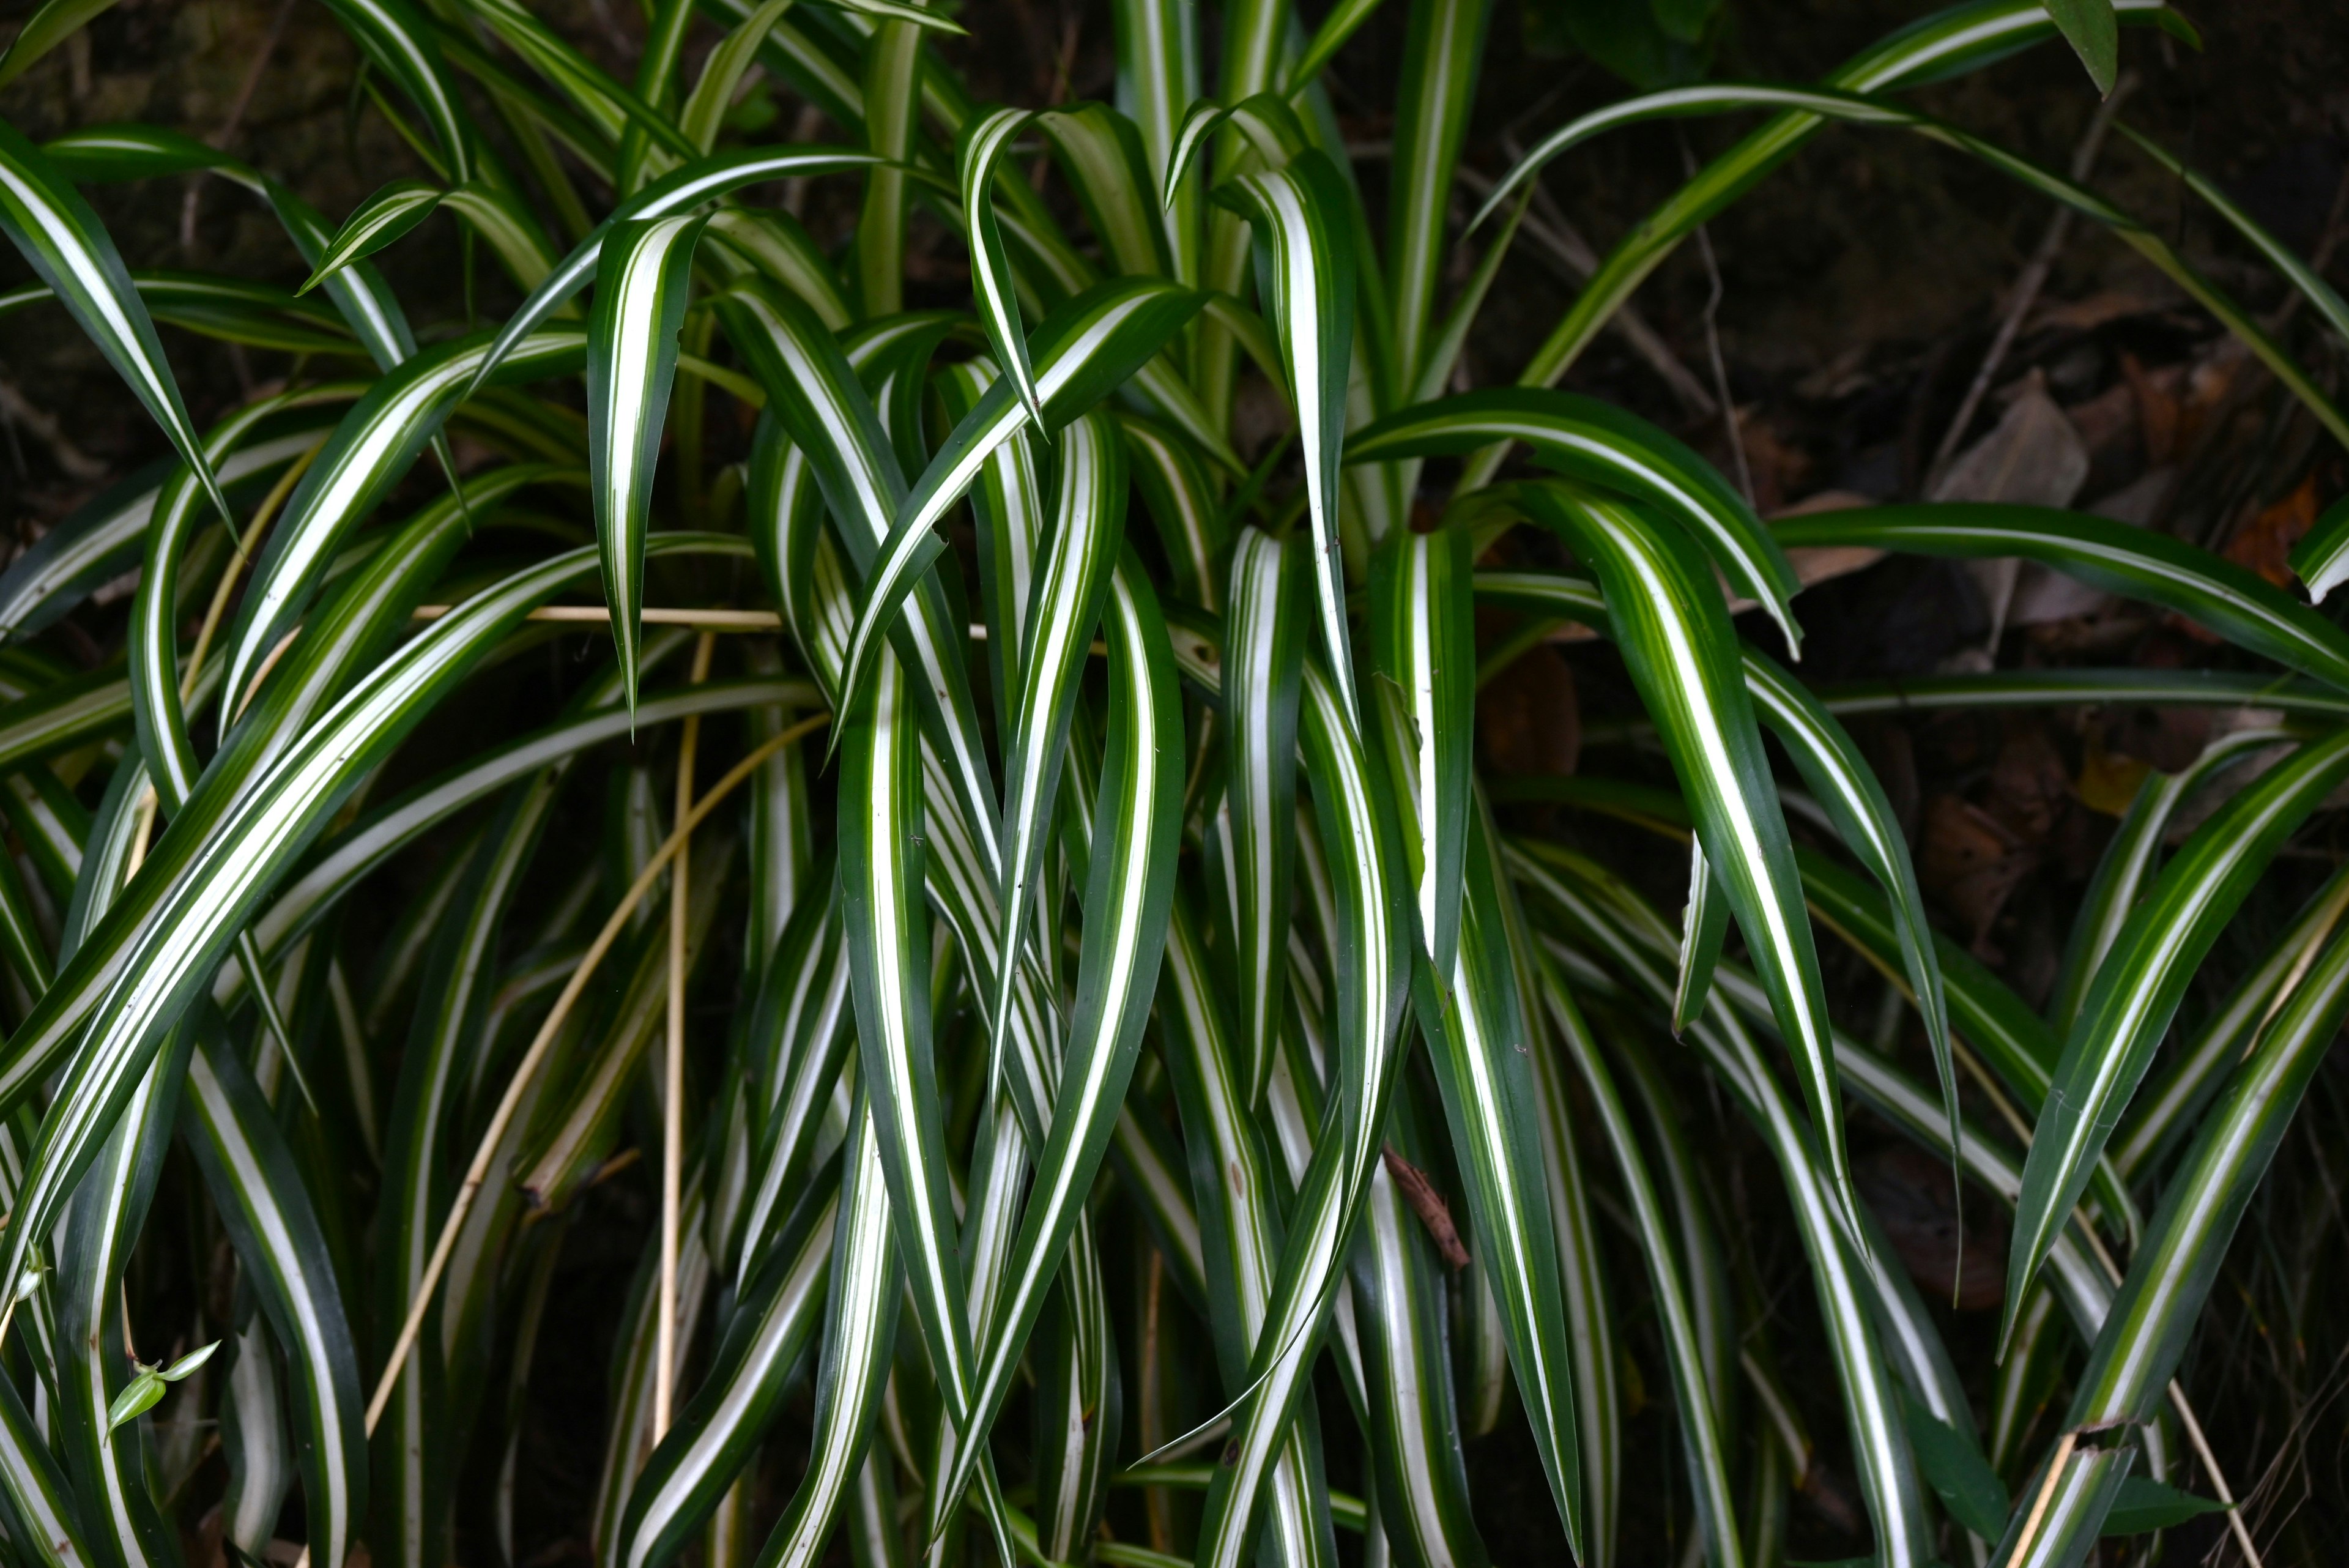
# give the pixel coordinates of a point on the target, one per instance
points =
(1019, 867)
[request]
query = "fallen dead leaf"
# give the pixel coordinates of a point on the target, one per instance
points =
(2108, 779)
(1914, 1201)
(1973, 863)
(1528, 718)
(2264, 541)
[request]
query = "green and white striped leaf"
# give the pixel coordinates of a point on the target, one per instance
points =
(1675, 633)
(398, 42)
(2321, 560)
(1952, 43)
(985, 139)
(2139, 563)
(888, 924)
(2169, 1277)
(56, 231)
(860, 1330)
(1595, 443)
(814, 392)
(1423, 636)
(1413, 1425)
(1700, 1420)
(1265, 651)
(1372, 922)
(373, 223)
(1129, 887)
(259, 1193)
(1082, 351)
(368, 454)
(157, 946)
(1082, 552)
(1478, 1036)
(108, 1465)
(1304, 262)
(642, 276)
(679, 192)
(2140, 983)
(774, 1325)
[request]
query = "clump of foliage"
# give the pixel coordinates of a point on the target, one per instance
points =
(1074, 815)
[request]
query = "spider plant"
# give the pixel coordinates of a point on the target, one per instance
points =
(1048, 932)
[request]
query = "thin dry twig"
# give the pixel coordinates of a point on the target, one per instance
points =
(477, 1174)
(19, 412)
(673, 1099)
(229, 126)
(2034, 277)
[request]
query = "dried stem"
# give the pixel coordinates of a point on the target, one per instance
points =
(673, 1098)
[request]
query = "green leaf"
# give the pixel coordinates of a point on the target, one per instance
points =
(679, 192)
(1129, 886)
(1101, 153)
(373, 223)
(2168, 1109)
(2139, 563)
(1478, 1036)
(645, 270)
(274, 1226)
(159, 944)
(2170, 1276)
(57, 232)
(1087, 535)
(1412, 1427)
(1371, 953)
(139, 1396)
(94, 1247)
(2321, 560)
(1675, 633)
(1595, 443)
(985, 139)
(398, 42)
(1956, 41)
(1704, 922)
(2145, 1504)
(1082, 350)
(1305, 263)
(881, 878)
(1423, 642)
(860, 1332)
(1953, 1466)
(2094, 35)
(52, 25)
(1443, 51)
(2139, 986)
(1239, 1225)
(814, 392)
(1265, 649)
(38, 1492)
(774, 1325)
(368, 454)
(1699, 1418)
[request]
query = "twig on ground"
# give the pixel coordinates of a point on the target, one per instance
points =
(194, 200)
(17, 412)
(2034, 277)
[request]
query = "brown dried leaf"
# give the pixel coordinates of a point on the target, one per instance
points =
(1429, 1205)
(1911, 1196)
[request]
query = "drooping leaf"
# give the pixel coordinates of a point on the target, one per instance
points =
(642, 275)
(56, 231)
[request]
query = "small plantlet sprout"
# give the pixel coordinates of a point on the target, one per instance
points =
(27, 1282)
(148, 1385)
